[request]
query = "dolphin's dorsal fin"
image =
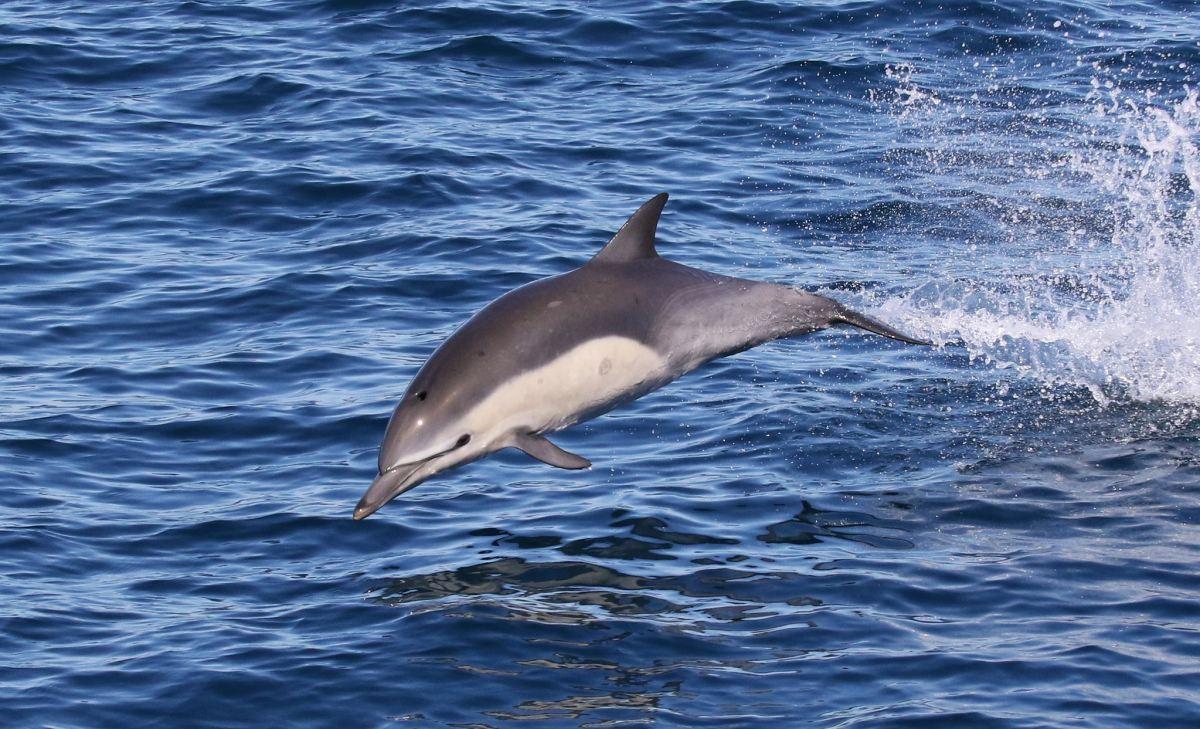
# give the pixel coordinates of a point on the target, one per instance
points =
(635, 240)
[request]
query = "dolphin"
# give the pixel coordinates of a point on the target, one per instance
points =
(567, 348)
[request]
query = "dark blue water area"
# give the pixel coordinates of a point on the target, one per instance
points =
(230, 233)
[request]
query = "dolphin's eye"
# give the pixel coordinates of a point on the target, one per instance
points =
(422, 395)
(463, 441)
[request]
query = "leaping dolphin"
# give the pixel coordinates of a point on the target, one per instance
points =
(567, 348)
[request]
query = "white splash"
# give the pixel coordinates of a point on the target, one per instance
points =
(908, 95)
(1119, 316)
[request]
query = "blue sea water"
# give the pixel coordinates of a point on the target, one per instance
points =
(231, 232)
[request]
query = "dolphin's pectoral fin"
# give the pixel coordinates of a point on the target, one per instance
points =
(546, 452)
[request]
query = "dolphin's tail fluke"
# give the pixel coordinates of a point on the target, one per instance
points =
(862, 321)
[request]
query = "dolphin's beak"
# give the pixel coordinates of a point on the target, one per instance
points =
(387, 486)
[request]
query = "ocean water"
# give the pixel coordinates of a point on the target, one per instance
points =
(230, 233)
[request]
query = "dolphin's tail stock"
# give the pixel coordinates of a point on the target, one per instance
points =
(862, 321)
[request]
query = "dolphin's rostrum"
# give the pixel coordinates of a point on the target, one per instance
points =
(569, 347)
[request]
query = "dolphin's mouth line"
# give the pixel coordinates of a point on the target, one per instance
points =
(413, 464)
(387, 485)
(394, 481)
(423, 461)
(403, 477)
(398, 466)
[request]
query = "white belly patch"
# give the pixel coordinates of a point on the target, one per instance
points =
(556, 394)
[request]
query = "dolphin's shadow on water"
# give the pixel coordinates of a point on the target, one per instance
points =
(620, 627)
(814, 526)
(648, 538)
